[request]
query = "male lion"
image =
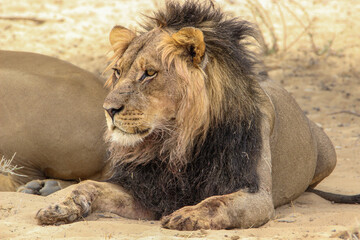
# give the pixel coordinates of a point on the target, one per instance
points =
(196, 136)
(50, 117)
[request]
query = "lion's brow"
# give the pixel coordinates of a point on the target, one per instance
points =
(135, 47)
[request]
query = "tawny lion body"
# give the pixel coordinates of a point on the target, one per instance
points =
(50, 117)
(196, 136)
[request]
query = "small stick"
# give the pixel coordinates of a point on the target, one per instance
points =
(36, 20)
(346, 111)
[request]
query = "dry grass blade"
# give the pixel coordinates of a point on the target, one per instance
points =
(7, 168)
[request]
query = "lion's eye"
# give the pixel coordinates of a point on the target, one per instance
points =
(148, 75)
(117, 73)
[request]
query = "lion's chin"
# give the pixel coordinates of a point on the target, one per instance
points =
(127, 139)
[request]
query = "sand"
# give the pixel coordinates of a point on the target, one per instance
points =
(325, 82)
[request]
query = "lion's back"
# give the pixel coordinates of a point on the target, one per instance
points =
(50, 114)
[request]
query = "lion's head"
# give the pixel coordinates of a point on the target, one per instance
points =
(176, 79)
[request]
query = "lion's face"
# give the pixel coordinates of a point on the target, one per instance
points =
(143, 96)
(158, 84)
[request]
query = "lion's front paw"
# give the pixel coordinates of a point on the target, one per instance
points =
(185, 218)
(67, 212)
(201, 216)
(57, 214)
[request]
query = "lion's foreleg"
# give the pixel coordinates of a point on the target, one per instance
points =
(235, 210)
(240, 209)
(91, 196)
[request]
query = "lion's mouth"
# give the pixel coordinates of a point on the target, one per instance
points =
(135, 131)
(128, 137)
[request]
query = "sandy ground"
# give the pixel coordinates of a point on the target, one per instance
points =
(325, 82)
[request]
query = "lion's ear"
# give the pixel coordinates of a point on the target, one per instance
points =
(191, 39)
(120, 38)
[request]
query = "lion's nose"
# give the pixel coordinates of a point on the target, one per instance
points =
(113, 111)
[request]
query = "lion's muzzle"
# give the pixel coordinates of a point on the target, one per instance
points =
(128, 121)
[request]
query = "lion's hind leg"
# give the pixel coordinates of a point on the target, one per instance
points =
(326, 162)
(90, 196)
(326, 159)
